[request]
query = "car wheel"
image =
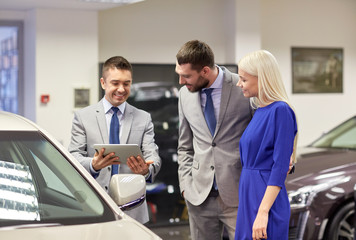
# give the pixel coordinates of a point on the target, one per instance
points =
(342, 225)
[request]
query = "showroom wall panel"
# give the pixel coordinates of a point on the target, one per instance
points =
(322, 24)
(152, 32)
(61, 54)
(66, 59)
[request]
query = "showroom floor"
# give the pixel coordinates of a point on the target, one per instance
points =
(174, 232)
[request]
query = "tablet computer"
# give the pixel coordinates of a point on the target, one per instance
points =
(123, 151)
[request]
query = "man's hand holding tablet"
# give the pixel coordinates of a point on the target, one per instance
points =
(125, 153)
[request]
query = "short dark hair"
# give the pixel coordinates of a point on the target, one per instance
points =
(116, 62)
(197, 53)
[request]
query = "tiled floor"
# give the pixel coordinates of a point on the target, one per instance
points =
(174, 232)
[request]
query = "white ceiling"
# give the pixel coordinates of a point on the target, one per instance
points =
(21, 5)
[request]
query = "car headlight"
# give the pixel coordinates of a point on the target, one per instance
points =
(304, 196)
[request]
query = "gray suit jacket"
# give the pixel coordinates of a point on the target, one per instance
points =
(201, 155)
(89, 127)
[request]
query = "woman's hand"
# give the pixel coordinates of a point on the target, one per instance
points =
(259, 228)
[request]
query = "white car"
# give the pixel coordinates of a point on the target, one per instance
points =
(46, 194)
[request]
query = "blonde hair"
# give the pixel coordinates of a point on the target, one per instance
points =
(264, 66)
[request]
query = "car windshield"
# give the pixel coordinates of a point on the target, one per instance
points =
(38, 185)
(343, 136)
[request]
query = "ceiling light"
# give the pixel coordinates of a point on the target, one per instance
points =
(113, 1)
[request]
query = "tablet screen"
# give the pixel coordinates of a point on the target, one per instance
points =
(123, 151)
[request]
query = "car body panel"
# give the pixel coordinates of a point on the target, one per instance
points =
(323, 183)
(337, 180)
(15, 122)
(121, 224)
(310, 171)
(109, 230)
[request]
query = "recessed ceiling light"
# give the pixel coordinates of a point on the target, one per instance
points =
(113, 1)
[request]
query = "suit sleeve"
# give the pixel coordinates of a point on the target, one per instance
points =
(78, 145)
(185, 148)
(150, 150)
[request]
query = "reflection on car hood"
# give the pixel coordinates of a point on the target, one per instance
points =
(317, 165)
(124, 229)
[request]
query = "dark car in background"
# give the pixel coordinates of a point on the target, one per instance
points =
(160, 99)
(321, 191)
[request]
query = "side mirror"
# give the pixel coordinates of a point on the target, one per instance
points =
(127, 190)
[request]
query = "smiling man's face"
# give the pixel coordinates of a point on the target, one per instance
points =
(117, 85)
(192, 79)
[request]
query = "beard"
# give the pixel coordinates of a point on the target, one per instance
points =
(199, 85)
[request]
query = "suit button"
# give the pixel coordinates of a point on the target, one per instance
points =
(109, 169)
(212, 167)
(106, 187)
(213, 144)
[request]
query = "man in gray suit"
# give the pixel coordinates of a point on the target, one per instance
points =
(91, 125)
(209, 160)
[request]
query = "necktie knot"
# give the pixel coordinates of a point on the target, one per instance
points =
(115, 109)
(208, 91)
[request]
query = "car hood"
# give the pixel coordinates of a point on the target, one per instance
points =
(121, 229)
(318, 166)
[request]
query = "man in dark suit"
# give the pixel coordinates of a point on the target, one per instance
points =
(92, 125)
(208, 152)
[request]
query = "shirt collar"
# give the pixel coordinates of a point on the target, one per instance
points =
(108, 106)
(219, 79)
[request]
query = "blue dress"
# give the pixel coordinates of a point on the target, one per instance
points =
(265, 150)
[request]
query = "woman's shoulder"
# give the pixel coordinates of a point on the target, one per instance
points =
(282, 110)
(280, 106)
(277, 108)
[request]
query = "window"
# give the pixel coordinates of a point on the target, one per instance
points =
(342, 136)
(39, 185)
(11, 66)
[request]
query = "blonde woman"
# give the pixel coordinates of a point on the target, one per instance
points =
(266, 147)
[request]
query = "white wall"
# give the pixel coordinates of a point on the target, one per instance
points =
(12, 15)
(154, 30)
(66, 58)
(318, 23)
(61, 53)
(63, 48)
(248, 27)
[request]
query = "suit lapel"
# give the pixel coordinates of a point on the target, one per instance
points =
(196, 110)
(225, 96)
(127, 123)
(101, 121)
